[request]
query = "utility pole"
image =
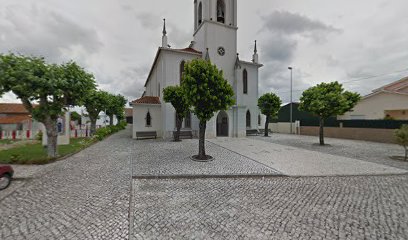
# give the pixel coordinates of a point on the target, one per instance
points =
(291, 95)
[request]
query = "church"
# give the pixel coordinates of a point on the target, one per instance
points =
(214, 39)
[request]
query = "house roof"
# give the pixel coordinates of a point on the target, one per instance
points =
(12, 108)
(147, 100)
(128, 112)
(13, 119)
(397, 87)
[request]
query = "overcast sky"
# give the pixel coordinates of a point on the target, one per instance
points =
(345, 40)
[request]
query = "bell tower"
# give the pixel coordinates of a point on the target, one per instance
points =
(215, 32)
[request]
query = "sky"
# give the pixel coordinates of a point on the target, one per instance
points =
(363, 44)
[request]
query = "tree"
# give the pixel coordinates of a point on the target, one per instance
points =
(326, 100)
(207, 92)
(95, 102)
(76, 117)
(53, 87)
(401, 135)
(269, 104)
(116, 107)
(176, 96)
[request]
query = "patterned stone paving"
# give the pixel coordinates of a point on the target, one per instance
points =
(165, 158)
(273, 208)
(83, 197)
(92, 196)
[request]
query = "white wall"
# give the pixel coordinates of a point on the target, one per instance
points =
(139, 119)
(373, 107)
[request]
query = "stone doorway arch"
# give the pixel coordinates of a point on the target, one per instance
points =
(222, 124)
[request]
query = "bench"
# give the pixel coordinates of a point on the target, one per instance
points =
(185, 134)
(146, 135)
(250, 132)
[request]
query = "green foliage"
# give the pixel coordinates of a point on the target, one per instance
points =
(104, 132)
(269, 104)
(39, 136)
(116, 106)
(95, 102)
(35, 153)
(206, 89)
(176, 96)
(401, 136)
(328, 99)
(76, 117)
(52, 86)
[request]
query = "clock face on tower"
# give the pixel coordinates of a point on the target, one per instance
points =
(221, 51)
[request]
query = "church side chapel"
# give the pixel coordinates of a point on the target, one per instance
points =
(215, 39)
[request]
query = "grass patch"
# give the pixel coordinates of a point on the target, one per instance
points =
(7, 141)
(36, 153)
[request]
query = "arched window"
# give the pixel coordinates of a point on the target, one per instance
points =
(221, 11)
(245, 81)
(148, 119)
(182, 70)
(248, 119)
(200, 13)
(259, 120)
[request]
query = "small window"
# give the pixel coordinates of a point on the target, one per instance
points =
(259, 120)
(220, 11)
(148, 120)
(248, 119)
(200, 13)
(245, 81)
(187, 120)
(182, 70)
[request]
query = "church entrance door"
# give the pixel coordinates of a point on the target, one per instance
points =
(222, 124)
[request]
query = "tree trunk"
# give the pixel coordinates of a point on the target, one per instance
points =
(179, 122)
(321, 131)
(111, 120)
(52, 137)
(201, 143)
(267, 127)
(93, 126)
(406, 153)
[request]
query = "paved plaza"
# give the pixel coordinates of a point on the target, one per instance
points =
(126, 189)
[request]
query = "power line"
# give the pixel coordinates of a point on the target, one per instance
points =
(355, 80)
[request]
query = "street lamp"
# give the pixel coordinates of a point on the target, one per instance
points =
(291, 94)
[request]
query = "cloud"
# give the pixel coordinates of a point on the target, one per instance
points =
(33, 30)
(292, 23)
(149, 20)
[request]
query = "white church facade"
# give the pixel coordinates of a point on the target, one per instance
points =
(215, 39)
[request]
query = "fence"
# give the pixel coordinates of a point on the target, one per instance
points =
(32, 135)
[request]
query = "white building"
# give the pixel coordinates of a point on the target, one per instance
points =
(215, 39)
(389, 101)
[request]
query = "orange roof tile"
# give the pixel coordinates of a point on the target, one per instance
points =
(128, 112)
(13, 119)
(12, 108)
(147, 100)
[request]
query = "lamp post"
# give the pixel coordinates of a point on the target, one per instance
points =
(291, 94)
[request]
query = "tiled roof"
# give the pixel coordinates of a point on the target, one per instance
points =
(394, 86)
(12, 108)
(147, 100)
(189, 49)
(13, 119)
(128, 112)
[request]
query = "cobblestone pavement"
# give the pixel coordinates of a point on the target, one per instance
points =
(273, 208)
(294, 162)
(165, 158)
(367, 151)
(83, 197)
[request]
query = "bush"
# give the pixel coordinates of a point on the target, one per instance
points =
(39, 136)
(104, 132)
(401, 135)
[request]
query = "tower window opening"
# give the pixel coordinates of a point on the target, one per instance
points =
(220, 11)
(200, 13)
(245, 81)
